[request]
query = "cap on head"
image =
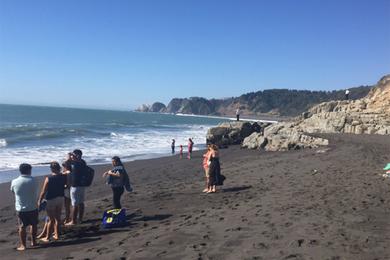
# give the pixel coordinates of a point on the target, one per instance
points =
(25, 169)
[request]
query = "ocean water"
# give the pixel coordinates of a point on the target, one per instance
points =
(38, 135)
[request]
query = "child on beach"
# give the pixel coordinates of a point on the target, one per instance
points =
(173, 146)
(181, 151)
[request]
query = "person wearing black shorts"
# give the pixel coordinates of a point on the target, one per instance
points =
(25, 190)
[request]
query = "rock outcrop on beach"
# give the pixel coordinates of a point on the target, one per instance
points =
(234, 132)
(369, 115)
(282, 137)
(272, 102)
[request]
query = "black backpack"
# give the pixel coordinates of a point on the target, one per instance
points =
(81, 175)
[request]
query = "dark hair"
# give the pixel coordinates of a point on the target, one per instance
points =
(117, 160)
(67, 165)
(55, 166)
(25, 169)
(78, 153)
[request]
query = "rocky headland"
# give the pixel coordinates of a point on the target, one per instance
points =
(368, 115)
(271, 102)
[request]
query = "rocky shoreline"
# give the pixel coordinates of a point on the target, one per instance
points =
(369, 115)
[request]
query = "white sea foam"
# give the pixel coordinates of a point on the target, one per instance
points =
(3, 143)
(145, 143)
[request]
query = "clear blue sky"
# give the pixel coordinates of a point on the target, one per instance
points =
(120, 54)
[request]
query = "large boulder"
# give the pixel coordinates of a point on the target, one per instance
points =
(255, 141)
(233, 132)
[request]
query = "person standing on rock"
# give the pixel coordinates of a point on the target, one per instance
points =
(347, 94)
(238, 114)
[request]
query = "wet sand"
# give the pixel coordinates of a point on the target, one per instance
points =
(325, 203)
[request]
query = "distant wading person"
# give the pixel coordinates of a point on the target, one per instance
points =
(119, 180)
(25, 190)
(181, 151)
(190, 146)
(206, 166)
(173, 146)
(53, 191)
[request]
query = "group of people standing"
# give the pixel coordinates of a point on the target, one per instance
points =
(65, 186)
(190, 147)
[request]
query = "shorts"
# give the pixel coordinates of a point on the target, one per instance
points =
(54, 203)
(77, 195)
(27, 218)
(67, 193)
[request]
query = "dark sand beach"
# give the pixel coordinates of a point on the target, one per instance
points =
(325, 203)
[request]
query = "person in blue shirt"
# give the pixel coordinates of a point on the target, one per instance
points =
(25, 190)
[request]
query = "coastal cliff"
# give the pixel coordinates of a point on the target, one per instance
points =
(368, 115)
(276, 102)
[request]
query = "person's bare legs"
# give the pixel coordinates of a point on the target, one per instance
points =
(81, 212)
(49, 230)
(50, 223)
(33, 236)
(67, 210)
(207, 185)
(44, 231)
(57, 223)
(75, 211)
(22, 238)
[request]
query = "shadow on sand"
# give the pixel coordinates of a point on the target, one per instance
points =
(235, 189)
(68, 242)
(157, 217)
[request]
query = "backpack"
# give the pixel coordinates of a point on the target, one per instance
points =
(87, 177)
(114, 218)
(81, 174)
